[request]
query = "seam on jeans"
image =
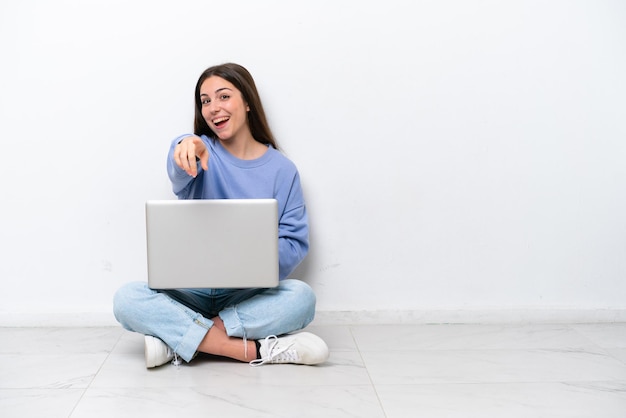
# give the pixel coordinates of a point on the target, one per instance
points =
(202, 324)
(186, 310)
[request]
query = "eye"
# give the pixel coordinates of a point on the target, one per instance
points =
(224, 97)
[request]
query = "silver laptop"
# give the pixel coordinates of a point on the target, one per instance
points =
(219, 243)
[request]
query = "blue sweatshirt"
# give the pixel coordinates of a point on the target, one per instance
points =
(271, 176)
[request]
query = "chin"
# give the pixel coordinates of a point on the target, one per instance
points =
(224, 138)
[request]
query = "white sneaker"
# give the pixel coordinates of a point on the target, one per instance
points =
(302, 348)
(157, 352)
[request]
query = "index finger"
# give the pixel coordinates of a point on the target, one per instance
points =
(185, 156)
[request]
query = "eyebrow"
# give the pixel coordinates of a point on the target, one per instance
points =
(216, 91)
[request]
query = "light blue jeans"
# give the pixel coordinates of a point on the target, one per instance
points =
(181, 318)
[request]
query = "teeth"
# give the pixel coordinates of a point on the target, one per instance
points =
(222, 119)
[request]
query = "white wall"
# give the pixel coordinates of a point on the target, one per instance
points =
(458, 156)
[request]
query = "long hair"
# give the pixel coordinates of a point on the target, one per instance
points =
(243, 81)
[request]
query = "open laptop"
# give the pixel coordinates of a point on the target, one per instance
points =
(212, 243)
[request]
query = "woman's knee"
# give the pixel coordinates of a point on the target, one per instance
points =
(303, 298)
(126, 298)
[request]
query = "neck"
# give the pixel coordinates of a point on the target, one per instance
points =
(246, 149)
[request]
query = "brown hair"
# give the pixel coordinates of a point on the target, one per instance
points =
(243, 81)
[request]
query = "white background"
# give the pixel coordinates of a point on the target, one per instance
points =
(456, 155)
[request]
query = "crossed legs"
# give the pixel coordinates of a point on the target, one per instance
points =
(180, 319)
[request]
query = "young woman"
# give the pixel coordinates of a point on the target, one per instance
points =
(232, 154)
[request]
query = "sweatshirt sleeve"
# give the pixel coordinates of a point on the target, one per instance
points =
(293, 231)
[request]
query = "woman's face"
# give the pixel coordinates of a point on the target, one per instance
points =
(224, 109)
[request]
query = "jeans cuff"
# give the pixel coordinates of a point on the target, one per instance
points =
(193, 337)
(232, 323)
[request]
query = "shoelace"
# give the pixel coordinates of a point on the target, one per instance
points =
(276, 354)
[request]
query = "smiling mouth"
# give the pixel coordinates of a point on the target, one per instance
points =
(220, 121)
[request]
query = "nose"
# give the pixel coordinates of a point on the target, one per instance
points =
(214, 106)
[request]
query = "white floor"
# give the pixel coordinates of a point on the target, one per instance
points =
(374, 371)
